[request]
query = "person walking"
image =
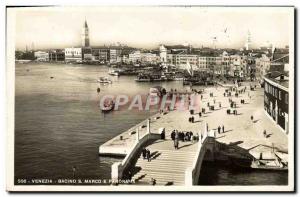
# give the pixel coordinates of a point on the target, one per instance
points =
(219, 129)
(144, 153)
(176, 140)
(265, 133)
(223, 130)
(148, 155)
(173, 135)
(153, 181)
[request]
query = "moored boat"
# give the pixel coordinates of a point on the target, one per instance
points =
(114, 72)
(104, 80)
(143, 78)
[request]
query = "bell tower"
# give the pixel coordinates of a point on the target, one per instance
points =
(85, 40)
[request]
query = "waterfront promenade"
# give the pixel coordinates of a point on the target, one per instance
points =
(168, 165)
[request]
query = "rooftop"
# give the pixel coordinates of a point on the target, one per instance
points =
(281, 78)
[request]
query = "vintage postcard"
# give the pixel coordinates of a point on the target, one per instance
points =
(150, 98)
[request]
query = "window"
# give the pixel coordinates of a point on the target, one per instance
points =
(286, 98)
(266, 99)
(275, 93)
(279, 94)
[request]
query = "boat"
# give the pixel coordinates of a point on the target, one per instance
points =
(149, 77)
(259, 164)
(143, 78)
(114, 72)
(157, 91)
(104, 80)
(108, 105)
(269, 165)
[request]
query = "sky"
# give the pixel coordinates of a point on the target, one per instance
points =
(147, 27)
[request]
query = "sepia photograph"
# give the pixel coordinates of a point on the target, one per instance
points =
(150, 98)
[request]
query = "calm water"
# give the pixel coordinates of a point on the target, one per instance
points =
(58, 124)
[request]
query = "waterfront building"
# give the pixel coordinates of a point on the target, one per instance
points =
(73, 54)
(206, 63)
(149, 58)
(139, 57)
(135, 57)
(103, 55)
(125, 59)
(41, 56)
(85, 40)
(112, 55)
(87, 54)
(100, 54)
(182, 60)
(170, 59)
(56, 55)
(276, 98)
(115, 55)
(163, 53)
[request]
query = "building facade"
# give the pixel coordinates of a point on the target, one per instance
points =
(149, 58)
(135, 57)
(262, 65)
(87, 54)
(57, 55)
(115, 55)
(100, 54)
(41, 56)
(73, 54)
(276, 98)
(163, 53)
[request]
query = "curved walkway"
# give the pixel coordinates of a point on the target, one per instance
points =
(167, 166)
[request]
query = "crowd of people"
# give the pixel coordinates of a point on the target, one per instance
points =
(177, 136)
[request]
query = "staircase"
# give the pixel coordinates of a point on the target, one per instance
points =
(167, 167)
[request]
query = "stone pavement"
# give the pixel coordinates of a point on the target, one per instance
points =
(239, 129)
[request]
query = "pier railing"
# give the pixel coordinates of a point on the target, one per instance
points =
(119, 168)
(192, 174)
